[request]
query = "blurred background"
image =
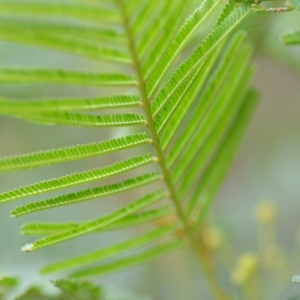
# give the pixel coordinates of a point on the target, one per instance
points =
(267, 168)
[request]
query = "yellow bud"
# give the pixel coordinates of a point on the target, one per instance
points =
(266, 213)
(245, 269)
(212, 238)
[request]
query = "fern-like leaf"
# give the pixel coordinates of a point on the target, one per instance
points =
(187, 105)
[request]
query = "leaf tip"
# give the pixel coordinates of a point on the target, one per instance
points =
(296, 279)
(27, 248)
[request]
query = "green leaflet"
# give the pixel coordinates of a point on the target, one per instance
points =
(82, 31)
(96, 224)
(34, 76)
(85, 195)
(43, 158)
(77, 11)
(222, 160)
(226, 12)
(216, 36)
(177, 114)
(292, 37)
(159, 38)
(217, 81)
(76, 178)
(224, 104)
(68, 44)
(202, 155)
(130, 261)
(39, 228)
(110, 251)
(181, 37)
(85, 120)
(240, 89)
(146, 11)
(163, 117)
(188, 91)
(13, 107)
(153, 29)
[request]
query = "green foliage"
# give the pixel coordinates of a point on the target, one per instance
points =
(79, 290)
(6, 285)
(295, 4)
(189, 110)
(292, 37)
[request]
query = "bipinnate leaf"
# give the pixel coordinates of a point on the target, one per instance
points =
(179, 95)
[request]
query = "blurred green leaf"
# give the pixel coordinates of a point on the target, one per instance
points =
(292, 38)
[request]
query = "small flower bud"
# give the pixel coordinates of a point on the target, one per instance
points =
(245, 270)
(212, 238)
(266, 213)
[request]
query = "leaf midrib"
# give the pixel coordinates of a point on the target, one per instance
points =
(152, 130)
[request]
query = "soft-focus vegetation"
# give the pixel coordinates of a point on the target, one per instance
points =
(145, 106)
